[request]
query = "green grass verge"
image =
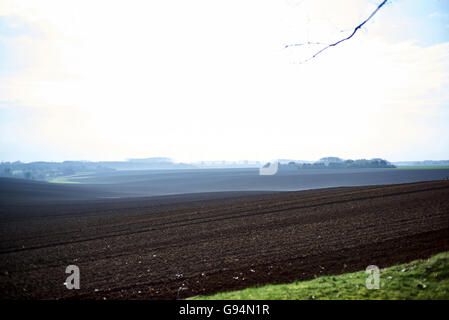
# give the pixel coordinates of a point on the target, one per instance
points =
(64, 181)
(73, 178)
(421, 279)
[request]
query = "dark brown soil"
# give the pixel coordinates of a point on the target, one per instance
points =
(143, 249)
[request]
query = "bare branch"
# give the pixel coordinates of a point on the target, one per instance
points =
(342, 40)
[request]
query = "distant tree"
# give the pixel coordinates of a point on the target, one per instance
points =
(7, 172)
(68, 171)
(331, 159)
(336, 165)
(342, 164)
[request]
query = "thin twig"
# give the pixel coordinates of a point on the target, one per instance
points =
(347, 38)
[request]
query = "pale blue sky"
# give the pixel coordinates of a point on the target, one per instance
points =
(427, 21)
(210, 80)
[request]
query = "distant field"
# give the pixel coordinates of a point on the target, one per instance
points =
(71, 178)
(128, 184)
(422, 167)
(420, 279)
(160, 182)
(63, 180)
(168, 182)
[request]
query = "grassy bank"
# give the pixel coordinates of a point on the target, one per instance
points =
(421, 279)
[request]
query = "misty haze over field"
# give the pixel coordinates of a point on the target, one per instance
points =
(81, 180)
(178, 79)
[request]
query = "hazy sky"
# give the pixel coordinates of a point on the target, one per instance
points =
(207, 79)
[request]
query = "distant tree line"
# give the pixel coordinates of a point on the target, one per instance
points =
(48, 170)
(337, 163)
(43, 170)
